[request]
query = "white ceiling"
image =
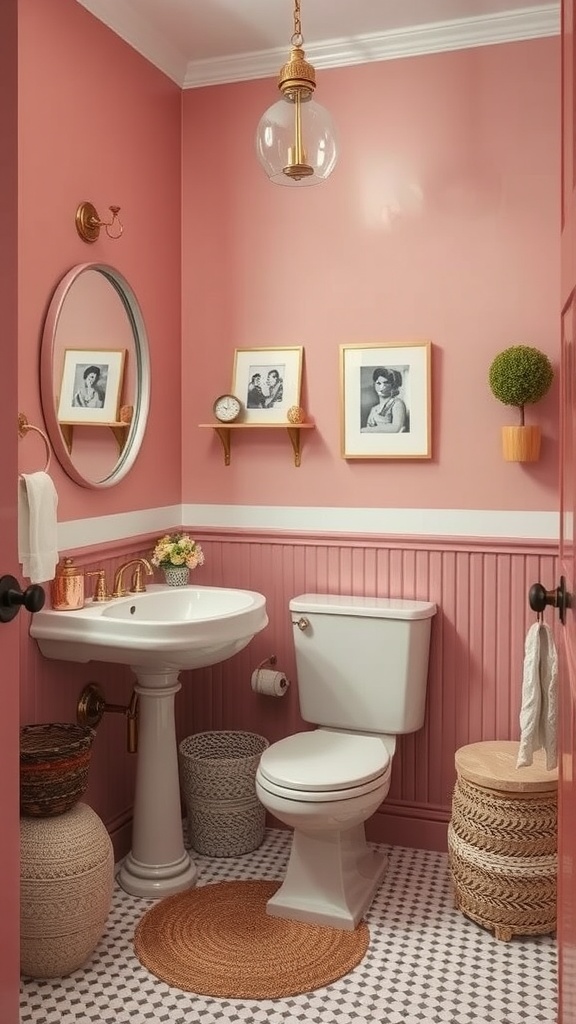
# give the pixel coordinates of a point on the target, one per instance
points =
(206, 42)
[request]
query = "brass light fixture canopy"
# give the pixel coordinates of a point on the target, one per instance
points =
(295, 140)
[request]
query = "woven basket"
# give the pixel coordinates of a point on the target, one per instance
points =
(218, 772)
(54, 763)
(502, 853)
(66, 884)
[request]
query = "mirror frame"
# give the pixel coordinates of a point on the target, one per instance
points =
(142, 355)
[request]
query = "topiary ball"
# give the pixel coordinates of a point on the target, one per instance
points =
(520, 375)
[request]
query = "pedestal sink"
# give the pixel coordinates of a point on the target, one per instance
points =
(158, 633)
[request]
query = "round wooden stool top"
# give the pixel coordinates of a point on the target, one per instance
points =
(492, 764)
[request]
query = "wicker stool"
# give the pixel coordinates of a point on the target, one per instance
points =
(66, 883)
(502, 840)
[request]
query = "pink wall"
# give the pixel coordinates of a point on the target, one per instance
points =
(473, 266)
(99, 122)
(441, 221)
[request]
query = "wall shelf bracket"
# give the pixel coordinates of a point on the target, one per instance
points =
(224, 435)
(293, 431)
(119, 429)
(294, 435)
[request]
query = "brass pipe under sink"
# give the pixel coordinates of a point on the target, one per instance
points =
(92, 705)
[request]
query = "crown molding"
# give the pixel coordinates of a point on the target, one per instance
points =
(532, 23)
(123, 17)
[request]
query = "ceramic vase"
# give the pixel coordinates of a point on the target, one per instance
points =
(177, 575)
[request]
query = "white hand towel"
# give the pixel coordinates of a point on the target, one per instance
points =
(538, 714)
(37, 526)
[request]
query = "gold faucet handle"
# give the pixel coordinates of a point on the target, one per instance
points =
(101, 592)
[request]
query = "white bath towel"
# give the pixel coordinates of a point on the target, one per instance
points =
(538, 714)
(37, 526)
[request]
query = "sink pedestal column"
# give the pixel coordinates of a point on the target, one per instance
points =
(158, 864)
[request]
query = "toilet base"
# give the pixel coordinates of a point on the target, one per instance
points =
(331, 879)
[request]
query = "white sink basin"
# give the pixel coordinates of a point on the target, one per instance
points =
(164, 628)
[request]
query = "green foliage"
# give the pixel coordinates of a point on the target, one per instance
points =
(520, 375)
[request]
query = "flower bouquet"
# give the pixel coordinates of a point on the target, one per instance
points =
(176, 554)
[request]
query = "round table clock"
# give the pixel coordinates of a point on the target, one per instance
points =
(227, 408)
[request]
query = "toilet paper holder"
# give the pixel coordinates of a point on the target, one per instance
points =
(272, 660)
(268, 680)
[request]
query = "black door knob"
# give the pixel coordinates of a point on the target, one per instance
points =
(12, 598)
(539, 598)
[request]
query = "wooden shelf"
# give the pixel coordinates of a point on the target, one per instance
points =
(118, 428)
(292, 429)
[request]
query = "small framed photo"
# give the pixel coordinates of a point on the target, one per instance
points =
(91, 385)
(385, 400)
(267, 381)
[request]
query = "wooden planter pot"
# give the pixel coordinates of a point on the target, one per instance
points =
(521, 444)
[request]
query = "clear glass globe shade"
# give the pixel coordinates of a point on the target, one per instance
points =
(275, 141)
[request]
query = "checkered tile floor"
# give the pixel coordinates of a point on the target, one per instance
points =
(426, 962)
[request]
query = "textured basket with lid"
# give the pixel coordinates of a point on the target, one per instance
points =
(54, 764)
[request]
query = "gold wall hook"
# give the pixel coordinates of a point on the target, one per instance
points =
(88, 222)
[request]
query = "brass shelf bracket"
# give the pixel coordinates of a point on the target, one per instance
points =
(294, 435)
(224, 435)
(293, 431)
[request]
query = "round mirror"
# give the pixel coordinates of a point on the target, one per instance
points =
(95, 375)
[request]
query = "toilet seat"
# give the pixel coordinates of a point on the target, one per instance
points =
(326, 796)
(324, 766)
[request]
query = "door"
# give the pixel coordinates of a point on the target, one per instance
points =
(9, 632)
(567, 727)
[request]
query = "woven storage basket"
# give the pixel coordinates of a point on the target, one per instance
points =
(54, 763)
(218, 772)
(502, 841)
(66, 884)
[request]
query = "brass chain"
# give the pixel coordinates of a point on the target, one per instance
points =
(297, 38)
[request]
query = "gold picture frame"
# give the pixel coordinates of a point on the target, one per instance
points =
(385, 400)
(267, 381)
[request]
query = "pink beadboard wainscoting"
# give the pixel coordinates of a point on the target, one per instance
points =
(475, 660)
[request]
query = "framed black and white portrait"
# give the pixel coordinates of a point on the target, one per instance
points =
(385, 400)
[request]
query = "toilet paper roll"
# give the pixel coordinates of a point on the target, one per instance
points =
(265, 680)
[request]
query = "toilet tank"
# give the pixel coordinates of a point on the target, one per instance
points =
(362, 662)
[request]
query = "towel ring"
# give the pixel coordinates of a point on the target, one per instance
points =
(24, 426)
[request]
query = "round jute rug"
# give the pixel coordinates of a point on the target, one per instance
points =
(217, 940)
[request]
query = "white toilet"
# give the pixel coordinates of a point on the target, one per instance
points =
(362, 666)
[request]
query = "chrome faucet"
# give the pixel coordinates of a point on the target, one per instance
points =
(137, 585)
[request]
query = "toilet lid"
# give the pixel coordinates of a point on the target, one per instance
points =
(323, 761)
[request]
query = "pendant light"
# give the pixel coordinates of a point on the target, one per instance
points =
(295, 139)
